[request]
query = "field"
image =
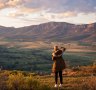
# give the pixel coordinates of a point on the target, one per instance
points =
(39, 59)
(22, 59)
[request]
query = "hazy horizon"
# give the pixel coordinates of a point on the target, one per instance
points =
(48, 22)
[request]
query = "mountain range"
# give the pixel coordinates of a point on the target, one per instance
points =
(51, 31)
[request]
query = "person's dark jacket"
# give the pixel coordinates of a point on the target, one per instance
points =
(58, 61)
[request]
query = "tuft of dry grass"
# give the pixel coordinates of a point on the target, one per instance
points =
(87, 84)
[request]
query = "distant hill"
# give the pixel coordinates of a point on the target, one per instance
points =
(51, 31)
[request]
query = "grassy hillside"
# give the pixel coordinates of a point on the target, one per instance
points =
(18, 80)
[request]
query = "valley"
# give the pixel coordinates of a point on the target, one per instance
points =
(36, 56)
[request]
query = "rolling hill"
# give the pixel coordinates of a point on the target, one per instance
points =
(51, 31)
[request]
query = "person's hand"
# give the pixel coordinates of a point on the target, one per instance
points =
(63, 49)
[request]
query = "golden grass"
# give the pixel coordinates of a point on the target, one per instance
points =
(17, 80)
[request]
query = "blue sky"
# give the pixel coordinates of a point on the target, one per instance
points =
(20, 13)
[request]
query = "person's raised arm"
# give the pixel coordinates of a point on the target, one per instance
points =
(63, 49)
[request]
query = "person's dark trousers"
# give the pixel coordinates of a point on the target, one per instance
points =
(60, 76)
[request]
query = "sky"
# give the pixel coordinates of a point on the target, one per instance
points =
(19, 13)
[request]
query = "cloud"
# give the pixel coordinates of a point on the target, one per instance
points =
(53, 6)
(1, 5)
(15, 15)
(54, 16)
(10, 3)
(28, 10)
(21, 7)
(68, 14)
(23, 13)
(14, 3)
(59, 6)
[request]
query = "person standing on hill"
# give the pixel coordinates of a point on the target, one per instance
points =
(58, 64)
